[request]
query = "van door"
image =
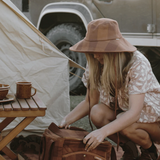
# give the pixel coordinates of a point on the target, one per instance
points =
(134, 16)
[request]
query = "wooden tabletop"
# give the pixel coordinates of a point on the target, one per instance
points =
(23, 107)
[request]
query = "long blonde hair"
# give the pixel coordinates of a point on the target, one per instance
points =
(104, 75)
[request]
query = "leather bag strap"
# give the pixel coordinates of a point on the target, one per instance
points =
(58, 150)
(48, 143)
(116, 98)
(89, 107)
(113, 154)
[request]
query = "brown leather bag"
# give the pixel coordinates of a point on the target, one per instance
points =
(67, 144)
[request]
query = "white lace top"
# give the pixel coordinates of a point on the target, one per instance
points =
(139, 79)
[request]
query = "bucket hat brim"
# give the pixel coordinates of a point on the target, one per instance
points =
(116, 45)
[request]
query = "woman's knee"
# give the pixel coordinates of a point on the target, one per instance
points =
(96, 113)
(100, 115)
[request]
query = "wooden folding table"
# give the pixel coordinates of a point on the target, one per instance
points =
(27, 108)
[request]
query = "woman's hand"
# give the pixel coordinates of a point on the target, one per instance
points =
(93, 139)
(64, 124)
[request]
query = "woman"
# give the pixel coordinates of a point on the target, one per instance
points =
(122, 79)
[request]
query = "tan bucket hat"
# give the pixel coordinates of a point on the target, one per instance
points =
(103, 35)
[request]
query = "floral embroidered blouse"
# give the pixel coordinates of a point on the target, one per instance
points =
(139, 79)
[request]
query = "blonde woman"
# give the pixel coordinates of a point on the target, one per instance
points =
(123, 92)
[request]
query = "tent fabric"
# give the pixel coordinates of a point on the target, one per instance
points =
(22, 17)
(27, 55)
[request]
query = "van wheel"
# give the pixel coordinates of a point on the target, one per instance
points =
(63, 36)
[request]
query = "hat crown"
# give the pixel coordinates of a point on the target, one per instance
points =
(102, 30)
(103, 35)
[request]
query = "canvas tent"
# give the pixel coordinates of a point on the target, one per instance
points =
(27, 55)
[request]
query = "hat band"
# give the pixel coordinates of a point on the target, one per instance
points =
(102, 40)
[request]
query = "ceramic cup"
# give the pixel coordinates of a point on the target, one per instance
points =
(3, 93)
(4, 88)
(24, 89)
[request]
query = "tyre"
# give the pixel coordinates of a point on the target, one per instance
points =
(63, 36)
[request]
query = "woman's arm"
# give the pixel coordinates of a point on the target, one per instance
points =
(126, 119)
(82, 109)
(129, 117)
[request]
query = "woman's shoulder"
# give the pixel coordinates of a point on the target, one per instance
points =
(140, 60)
(140, 66)
(139, 57)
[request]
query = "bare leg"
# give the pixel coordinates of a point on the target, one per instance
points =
(143, 133)
(140, 133)
(101, 115)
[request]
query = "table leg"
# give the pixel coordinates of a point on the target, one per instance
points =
(1, 158)
(6, 122)
(6, 150)
(15, 131)
(9, 153)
